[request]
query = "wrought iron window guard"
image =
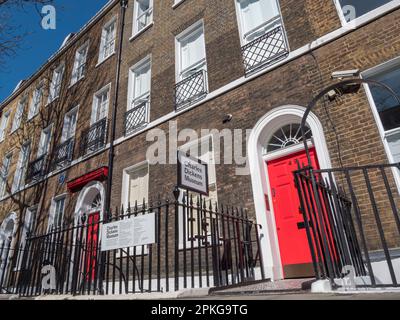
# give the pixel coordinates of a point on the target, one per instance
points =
(265, 50)
(94, 138)
(37, 168)
(136, 118)
(63, 153)
(191, 89)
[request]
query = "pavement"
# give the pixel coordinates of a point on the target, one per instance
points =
(297, 289)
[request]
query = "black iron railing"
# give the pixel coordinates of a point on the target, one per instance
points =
(352, 222)
(265, 50)
(197, 244)
(191, 89)
(94, 138)
(37, 168)
(136, 118)
(63, 154)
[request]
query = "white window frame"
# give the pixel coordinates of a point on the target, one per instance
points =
(201, 64)
(135, 30)
(36, 103)
(4, 174)
(20, 171)
(95, 105)
(64, 136)
(273, 22)
(102, 51)
(19, 114)
(386, 66)
(366, 17)
(132, 99)
(78, 63)
(5, 118)
(189, 146)
(52, 213)
(49, 130)
(55, 86)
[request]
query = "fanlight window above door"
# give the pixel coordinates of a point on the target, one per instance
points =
(96, 203)
(287, 136)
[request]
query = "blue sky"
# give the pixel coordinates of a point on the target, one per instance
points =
(39, 44)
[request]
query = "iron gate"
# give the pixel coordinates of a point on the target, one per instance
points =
(352, 223)
(198, 244)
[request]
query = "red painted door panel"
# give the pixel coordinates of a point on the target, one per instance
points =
(293, 244)
(92, 245)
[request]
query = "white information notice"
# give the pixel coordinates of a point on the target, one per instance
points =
(131, 232)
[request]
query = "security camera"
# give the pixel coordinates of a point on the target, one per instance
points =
(345, 74)
(227, 118)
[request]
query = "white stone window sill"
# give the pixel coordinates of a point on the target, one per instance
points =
(104, 60)
(52, 101)
(137, 34)
(76, 82)
(177, 3)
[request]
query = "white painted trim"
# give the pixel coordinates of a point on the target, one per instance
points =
(113, 20)
(74, 109)
(136, 33)
(53, 208)
(383, 134)
(178, 38)
(240, 23)
(125, 180)
(80, 202)
(177, 3)
(259, 177)
(11, 216)
(373, 14)
(286, 151)
(131, 82)
(107, 87)
(76, 80)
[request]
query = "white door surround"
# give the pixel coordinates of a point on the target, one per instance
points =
(260, 134)
(8, 227)
(86, 197)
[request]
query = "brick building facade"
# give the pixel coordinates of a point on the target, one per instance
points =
(191, 64)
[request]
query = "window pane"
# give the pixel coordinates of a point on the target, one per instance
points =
(386, 104)
(254, 13)
(361, 6)
(142, 81)
(192, 49)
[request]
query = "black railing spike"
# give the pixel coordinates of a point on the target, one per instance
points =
(176, 193)
(129, 209)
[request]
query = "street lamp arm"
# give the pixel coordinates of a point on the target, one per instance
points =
(336, 86)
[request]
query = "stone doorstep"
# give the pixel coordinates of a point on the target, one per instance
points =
(266, 287)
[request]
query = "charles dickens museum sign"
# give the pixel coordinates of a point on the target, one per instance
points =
(192, 174)
(131, 232)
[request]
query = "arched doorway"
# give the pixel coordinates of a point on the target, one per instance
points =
(275, 146)
(90, 200)
(90, 205)
(7, 235)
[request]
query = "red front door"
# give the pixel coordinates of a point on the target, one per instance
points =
(294, 248)
(92, 245)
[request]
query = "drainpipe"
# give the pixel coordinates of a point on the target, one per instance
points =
(124, 5)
